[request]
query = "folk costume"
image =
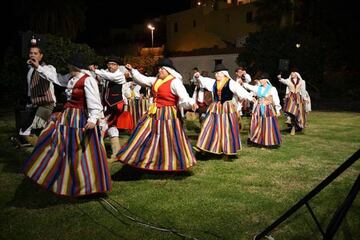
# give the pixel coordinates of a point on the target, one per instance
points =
(264, 128)
(294, 102)
(220, 132)
(41, 93)
(68, 158)
(159, 142)
(112, 100)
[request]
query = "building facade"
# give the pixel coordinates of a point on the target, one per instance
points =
(210, 24)
(205, 64)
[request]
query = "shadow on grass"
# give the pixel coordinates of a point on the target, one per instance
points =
(12, 158)
(29, 195)
(256, 145)
(128, 173)
(205, 156)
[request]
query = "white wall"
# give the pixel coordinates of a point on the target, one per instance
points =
(204, 63)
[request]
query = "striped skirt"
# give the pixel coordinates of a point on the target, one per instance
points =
(137, 108)
(67, 159)
(295, 107)
(220, 132)
(265, 130)
(158, 143)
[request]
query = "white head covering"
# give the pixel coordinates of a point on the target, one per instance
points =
(297, 74)
(173, 72)
(226, 73)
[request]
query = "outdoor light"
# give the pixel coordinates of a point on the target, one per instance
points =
(152, 28)
(297, 45)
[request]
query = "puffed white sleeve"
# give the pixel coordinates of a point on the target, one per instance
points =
(239, 91)
(276, 99)
(303, 90)
(206, 83)
(116, 77)
(93, 102)
(63, 80)
(142, 79)
(284, 81)
(247, 78)
(250, 87)
(137, 89)
(49, 73)
(178, 88)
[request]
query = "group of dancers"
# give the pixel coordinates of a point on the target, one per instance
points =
(69, 157)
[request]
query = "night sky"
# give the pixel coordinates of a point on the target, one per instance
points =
(101, 15)
(116, 13)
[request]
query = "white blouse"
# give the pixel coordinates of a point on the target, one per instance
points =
(177, 88)
(291, 87)
(273, 92)
(235, 88)
(116, 77)
(92, 95)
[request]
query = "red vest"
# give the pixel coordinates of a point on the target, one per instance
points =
(164, 96)
(78, 95)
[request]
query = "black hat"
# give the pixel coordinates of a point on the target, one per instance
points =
(264, 75)
(115, 59)
(219, 67)
(165, 62)
(78, 60)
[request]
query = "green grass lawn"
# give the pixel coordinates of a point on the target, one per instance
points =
(217, 200)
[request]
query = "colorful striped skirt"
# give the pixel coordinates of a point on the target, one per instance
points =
(67, 159)
(265, 130)
(295, 107)
(159, 143)
(220, 133)
(137, 108)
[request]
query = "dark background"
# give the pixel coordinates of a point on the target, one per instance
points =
(100, 16)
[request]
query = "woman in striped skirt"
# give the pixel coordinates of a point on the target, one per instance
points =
(220, 131)
(135, 101)
(264, 128)
(69, 158)
(295, 98)
(158, 142)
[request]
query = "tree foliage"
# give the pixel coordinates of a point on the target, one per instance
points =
(144, 64)
(56, 50)
(63, 18)
(263, 50)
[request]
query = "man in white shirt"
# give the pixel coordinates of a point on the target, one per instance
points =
(112, 97)
(40, 92)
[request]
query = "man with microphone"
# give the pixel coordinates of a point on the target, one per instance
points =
(40, 93)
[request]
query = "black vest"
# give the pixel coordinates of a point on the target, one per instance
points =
(226, 93)
(113, 94)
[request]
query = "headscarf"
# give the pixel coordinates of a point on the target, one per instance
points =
(261, 93)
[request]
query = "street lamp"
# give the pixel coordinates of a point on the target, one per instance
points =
(152, 28)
